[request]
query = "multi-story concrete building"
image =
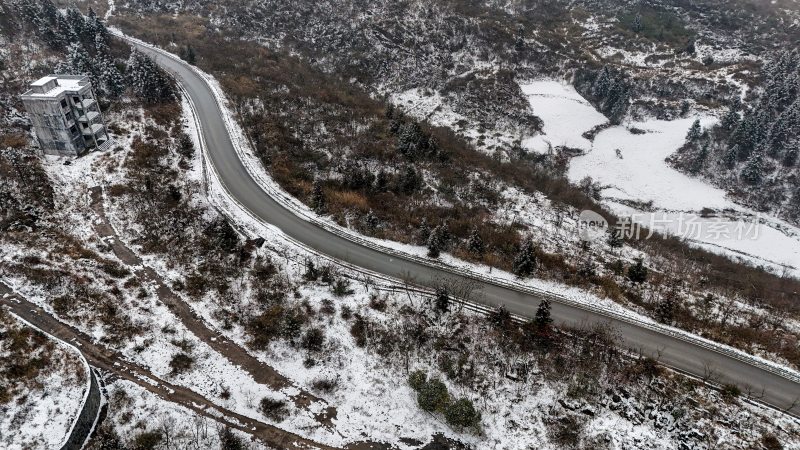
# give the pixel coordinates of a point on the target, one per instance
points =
(65, 115)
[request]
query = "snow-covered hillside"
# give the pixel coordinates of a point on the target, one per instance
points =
(628, 161)
(42, 387)
(213, 329)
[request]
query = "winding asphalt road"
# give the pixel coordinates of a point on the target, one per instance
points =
(764, 385)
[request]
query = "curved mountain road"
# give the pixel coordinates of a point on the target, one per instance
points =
(688, 357)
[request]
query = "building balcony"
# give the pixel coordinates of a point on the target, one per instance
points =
(86, 104)
(92, 130)
(89, 117)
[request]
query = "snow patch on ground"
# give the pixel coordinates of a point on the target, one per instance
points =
(639, 172)
(566, 115)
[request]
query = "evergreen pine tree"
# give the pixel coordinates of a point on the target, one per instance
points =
(79, 62)
(423, 233)
(616, 106)
(77, 24)
(185, 146)
(433, 396)
(730, 120)
(614, 238)
(436, 242)
(462, 413)
(49, 12)
(743, 138)
(700, 159)
(587, 269)
(382, 181)
(311, 271)
(501, 318)
(542, 318)
(525, 262)
(318, 201)
(637, 273)
(90, 26)
(794, 204)
(665, 310)
(444, 234)
(475, 243)
(691, 47)
(227, 441)
(601, 83)
(409, 181)
(442, 299)
(695, 131)
(191, 57)
(48, 26)
(113, 82)
(754, 171)
(65, 30)
(371, 221)
(409, 140)
(519, 42)
(731, 156)
(637, 23)
(791, 155)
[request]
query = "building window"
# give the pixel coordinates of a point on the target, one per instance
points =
(76, 100)
(73, 129)
(63, 103)
(68, 115)
(85, 125)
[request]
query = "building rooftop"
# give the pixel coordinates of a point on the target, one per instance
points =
(52, 86)
(44, 80)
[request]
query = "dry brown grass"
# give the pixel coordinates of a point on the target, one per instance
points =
(13, 140)
(348, 200)
(164, 113)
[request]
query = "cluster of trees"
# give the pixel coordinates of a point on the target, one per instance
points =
(437, 240)
(25, 190)
(412, 141)
(148, 81)
(769, 132)
(276, 317)
(277, 320)
(755, 146)
(84, 40)
(608, 89)
(536, 334)
(87, 47)
(357, 176)
(433, 396)
(188, 54)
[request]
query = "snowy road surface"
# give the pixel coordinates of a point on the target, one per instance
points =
(677, 353)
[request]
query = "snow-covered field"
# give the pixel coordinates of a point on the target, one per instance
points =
(565, 115)
(632, 170)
